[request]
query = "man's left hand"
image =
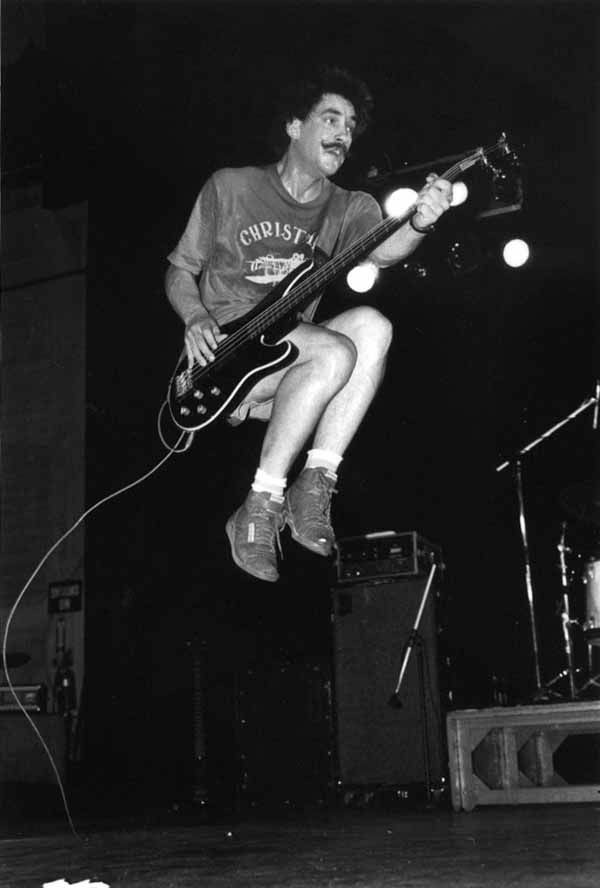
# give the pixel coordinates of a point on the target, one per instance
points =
(432, 201)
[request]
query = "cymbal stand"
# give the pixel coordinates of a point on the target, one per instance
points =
(517, 473)
(565, 613)
(594, 679)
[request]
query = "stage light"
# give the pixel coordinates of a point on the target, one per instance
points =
(399, 201)
(515, 252)
(460, 192)
(362, 277)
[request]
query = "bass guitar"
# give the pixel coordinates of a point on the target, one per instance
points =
(254, 346)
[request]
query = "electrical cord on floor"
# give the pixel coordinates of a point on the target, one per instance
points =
(176, 448)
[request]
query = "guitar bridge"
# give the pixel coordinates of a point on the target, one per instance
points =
(183, 383)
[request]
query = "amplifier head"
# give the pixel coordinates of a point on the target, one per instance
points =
(384, 554)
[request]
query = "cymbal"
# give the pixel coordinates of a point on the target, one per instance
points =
(582, 501)
(17, 659)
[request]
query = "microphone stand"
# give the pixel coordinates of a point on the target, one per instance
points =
(415, 640)
(517, 472)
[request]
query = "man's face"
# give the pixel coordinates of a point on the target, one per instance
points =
(322, 140)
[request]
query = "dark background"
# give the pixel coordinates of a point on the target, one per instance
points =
(131, 106)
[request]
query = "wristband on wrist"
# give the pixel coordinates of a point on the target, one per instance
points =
(416, 228)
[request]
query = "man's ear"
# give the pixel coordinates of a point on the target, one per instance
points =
(293, 128)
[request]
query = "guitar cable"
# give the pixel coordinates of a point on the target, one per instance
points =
(176, 448)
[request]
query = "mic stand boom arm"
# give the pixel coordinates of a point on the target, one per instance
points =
(584, 406)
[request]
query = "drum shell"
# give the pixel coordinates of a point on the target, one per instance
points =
(591, 579)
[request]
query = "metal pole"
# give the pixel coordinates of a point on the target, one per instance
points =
(395, 699)
(566, 612)
(528, 580)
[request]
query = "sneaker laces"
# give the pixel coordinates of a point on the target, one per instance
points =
(321, 500)
(267, 526)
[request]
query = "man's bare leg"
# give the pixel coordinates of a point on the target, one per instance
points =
(300, 395)
(308, 501)
(371, 334)
(302, 392)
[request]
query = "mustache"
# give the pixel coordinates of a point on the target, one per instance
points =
(339, 145)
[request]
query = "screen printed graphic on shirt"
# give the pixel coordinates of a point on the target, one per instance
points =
(272, 267)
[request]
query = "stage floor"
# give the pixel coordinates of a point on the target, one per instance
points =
(495, 847)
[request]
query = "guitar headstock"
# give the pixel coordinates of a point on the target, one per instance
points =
(500, 149)
(480, 155)
(502, 144)
(506, 178)
(504, 159)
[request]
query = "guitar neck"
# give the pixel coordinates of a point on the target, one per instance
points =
(300, 294)
(365, 245)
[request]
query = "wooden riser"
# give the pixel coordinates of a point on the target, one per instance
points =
(506, 755)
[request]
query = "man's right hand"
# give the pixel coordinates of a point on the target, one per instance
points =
(202, 336)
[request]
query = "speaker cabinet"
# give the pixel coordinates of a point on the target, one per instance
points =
(376, 743)
(285, 733)
(22, 757)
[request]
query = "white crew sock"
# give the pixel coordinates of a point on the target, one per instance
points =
(265, 483)
(325, 459)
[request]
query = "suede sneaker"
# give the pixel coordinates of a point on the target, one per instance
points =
(253, 533)
(307, 509)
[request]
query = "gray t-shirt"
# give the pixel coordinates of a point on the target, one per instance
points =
(246, 233)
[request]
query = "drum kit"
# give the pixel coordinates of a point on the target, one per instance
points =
(580, 581)
(579, 572)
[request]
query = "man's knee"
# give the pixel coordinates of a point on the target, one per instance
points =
(329, 353)
(337, 357)
(370, 331)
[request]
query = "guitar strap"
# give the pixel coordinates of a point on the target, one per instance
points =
(329, 236)
(328, 240)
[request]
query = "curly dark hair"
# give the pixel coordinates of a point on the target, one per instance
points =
(300, 97)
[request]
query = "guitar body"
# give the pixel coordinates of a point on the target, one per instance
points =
(200, 395)
(196, 401)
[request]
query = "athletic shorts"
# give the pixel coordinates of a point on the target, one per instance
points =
(260, 410)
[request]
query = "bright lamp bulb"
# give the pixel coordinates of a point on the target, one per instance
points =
(399, 201)
(515, 253)
(460, 192)
(362, 277)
